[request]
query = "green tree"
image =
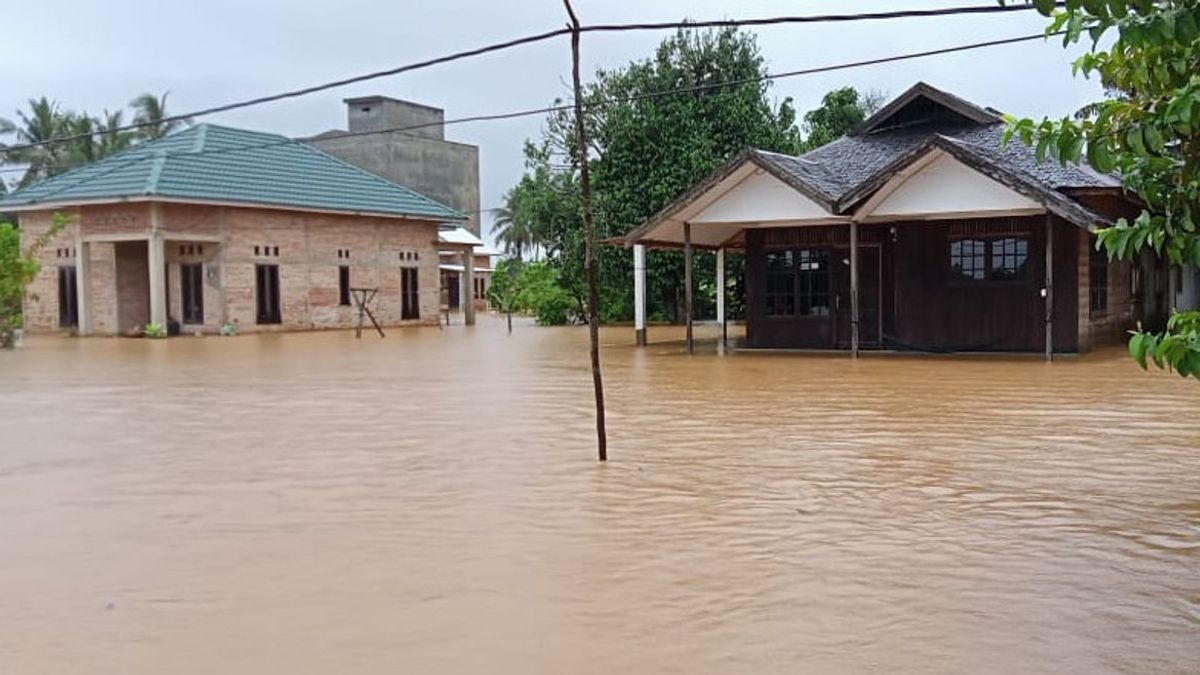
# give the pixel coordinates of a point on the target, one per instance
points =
(647, 149)
(17, 269)
(44, 120)
(151, 111)
(1148, 131)
(91, 139)
(841, 110)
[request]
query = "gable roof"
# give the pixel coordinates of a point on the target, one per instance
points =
(919, 102)
(844, 173)
(217, 164)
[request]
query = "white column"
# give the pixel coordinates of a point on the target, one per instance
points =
(157, 268)
(83, 285)
(639, 293)
(721, 293)
(468, 286)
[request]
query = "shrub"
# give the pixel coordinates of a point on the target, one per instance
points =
(154, 330)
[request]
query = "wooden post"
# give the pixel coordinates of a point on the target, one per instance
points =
(581, 146)
(854, 289)
(687, 281)
(1049, 291)
(639, 294)
(721, 294)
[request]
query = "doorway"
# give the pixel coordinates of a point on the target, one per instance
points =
(868, 297)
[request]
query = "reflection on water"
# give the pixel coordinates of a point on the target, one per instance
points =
(429, 503)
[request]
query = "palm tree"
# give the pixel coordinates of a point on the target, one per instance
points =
(111, 141)
(44, 121)
(512, 230)
(151, 114)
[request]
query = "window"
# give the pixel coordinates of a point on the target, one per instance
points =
(68, 301)
(781, 284)
(266, 282)
(967, 259)
(1010, 259)
(1097, 283)
(480, 288)
(1004, 259)
(191, 287)
(814, 282)
(410, 308)
(343, 284)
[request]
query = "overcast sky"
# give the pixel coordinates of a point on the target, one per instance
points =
(96, 55)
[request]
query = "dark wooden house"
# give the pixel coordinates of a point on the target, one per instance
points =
(919, 230)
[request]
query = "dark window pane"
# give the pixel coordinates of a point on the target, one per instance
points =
(343, 285)
(968, 259)
(781, 283)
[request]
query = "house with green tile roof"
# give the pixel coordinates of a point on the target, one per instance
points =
(216, 226)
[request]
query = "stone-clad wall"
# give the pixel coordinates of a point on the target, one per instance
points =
(307, 245)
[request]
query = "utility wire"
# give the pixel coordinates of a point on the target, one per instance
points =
(612, 100)
(530, 39)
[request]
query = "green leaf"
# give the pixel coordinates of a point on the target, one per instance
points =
(1139, 344)
(1100, 157)
(1133, 140)
(1153, 138)
(1045, 7)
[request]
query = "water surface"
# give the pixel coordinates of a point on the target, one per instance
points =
(429, 502)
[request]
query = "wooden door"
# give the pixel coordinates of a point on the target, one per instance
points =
(868, 296)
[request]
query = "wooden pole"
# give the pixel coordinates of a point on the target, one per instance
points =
(854, 289)
(687, 281)
(581, 143)
(721, 294)
(1049, 293)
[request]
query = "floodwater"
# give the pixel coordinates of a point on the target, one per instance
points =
(429, 503)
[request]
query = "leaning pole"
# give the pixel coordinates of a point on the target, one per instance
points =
(590, 238)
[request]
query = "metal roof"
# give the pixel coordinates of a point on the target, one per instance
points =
(211, 163)
(459, 236)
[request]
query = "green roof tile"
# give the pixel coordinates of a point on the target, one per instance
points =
(213, 163)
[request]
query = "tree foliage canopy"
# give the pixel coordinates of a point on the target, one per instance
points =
(1147, 131)
(97, 135)
(649, 146)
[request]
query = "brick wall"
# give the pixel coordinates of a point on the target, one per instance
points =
(307, 245)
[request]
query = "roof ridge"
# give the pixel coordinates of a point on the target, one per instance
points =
(160, 158)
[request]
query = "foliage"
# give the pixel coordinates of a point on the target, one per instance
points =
(17, 269)
(154, 330)
(96, 136)
(645, 150)
(1149, 132)
(151, 112)
(533, 288)
(841, 110)
(229, 329)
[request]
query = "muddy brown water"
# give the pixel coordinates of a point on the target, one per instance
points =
(309, 503)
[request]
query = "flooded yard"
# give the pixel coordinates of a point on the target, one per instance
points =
(430, 502)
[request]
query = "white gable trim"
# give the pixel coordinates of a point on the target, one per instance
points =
(938, 186)
(756, 198)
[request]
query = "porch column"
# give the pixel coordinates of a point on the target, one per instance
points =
(854, 289)
(468, 286)
(687, 281)
(1048, 292)
(157, 268)
(83, 285)
(721, 293)
(639, 294)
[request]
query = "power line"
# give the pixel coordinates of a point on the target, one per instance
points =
(624, 99)
(824, 18)
(530, 39)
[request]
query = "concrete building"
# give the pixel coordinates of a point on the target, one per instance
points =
(419, 157)
(214, 225)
